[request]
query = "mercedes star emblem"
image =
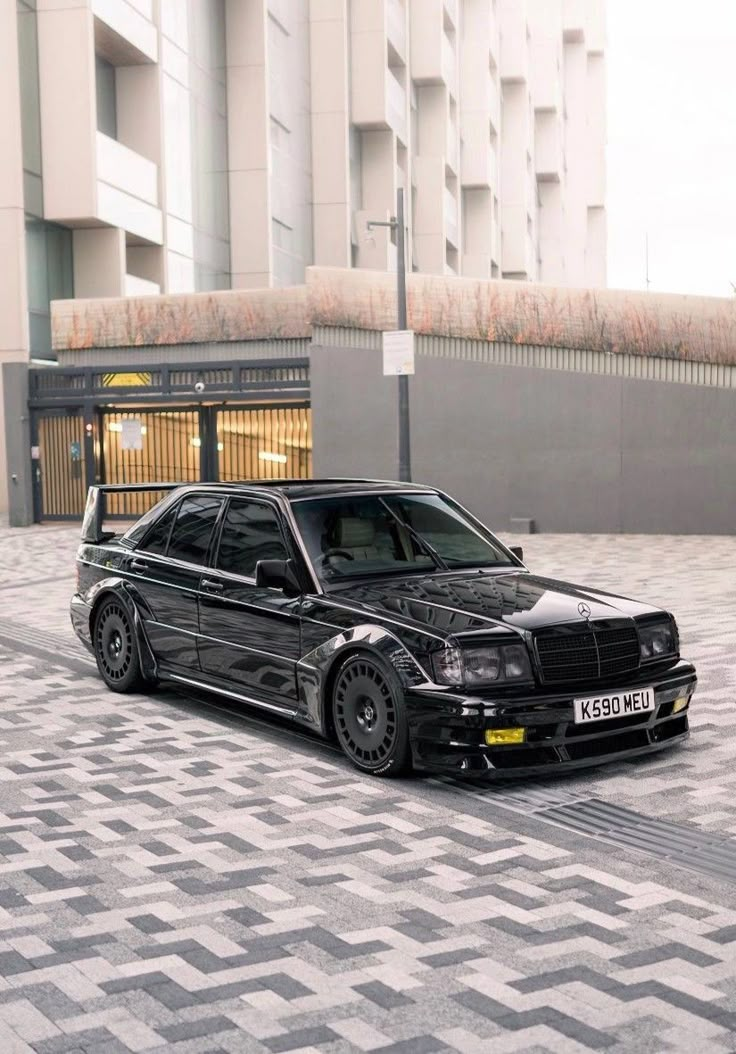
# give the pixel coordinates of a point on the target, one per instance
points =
(584, 609)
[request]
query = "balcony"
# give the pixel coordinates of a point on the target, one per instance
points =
(477, 265)
(396, 28)
(396, 105)
(378, 98)
(135, 286)
(127, 190)
(449, 65)
(451, 218)
(432, 53)
(514, 44)
(548, 146)
(125, 32)
(479, 167)
(452, 148)
(574, 19)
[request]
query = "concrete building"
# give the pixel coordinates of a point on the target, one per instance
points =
(177, 146)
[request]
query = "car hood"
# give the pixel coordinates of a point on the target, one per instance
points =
(470, 601)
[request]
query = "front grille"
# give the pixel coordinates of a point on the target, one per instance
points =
(568, 653)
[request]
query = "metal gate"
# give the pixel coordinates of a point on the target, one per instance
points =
(60, 464)
(148, 446)
(213, 421)
(273, 442)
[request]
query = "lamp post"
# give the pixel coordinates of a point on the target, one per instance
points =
(396, 223)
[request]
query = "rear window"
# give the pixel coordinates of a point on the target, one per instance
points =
(193, 527)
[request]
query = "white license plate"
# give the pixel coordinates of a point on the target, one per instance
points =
(613, 704)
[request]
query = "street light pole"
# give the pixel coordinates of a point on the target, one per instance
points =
(397, 223)
(404, 431)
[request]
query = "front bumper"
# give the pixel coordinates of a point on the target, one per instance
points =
(448, 729)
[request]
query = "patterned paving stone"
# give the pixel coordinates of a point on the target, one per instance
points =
(175, 879)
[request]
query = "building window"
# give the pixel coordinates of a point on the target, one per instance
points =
(50, 276)
(107, 120)
(30, 106)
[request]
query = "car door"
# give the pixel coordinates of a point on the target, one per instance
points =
(249, 634)
(166, 568)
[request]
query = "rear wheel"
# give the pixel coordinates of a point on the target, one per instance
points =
(116, 648)
(370, 719)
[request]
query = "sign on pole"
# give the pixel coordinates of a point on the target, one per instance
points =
(398, 353)
(132, 434)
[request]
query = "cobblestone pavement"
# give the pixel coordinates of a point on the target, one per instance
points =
(176, 878)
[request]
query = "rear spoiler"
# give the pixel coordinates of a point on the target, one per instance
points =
(96, 507)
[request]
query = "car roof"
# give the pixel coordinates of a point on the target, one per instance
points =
(295, 489)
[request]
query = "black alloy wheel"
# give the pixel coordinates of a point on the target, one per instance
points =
(369, 717)
(116, 649)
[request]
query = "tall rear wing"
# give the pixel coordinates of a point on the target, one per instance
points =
(96, 508)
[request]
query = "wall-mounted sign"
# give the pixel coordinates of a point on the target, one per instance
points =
(126, 380)
(131, 437)
(398, 352)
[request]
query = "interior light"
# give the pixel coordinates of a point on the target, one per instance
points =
(195, 441)
(220, 447)
(268, 455)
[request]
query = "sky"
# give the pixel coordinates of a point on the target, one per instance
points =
(672, 145)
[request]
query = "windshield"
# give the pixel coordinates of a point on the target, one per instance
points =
(351, 537)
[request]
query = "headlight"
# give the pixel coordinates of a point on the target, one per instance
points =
(484, 665)
(657, 640)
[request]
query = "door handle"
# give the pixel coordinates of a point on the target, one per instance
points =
(212, 587)
(138, 565)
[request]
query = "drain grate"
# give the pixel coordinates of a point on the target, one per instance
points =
(703, 851)
(706, 852)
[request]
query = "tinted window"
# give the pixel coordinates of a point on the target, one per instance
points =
(193, 528)
(157, 538)
(250, 533)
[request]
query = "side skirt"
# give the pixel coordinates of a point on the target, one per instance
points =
(191, 682)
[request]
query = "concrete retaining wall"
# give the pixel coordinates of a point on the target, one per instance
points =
(573, 451)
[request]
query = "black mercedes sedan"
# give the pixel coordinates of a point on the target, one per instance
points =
(383, 616)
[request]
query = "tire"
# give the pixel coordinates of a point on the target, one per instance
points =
(370, 718)
(116, 648)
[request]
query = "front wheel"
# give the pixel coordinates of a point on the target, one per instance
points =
(370, 719)
(116, 648)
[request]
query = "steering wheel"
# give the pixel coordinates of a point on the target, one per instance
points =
(326, 557)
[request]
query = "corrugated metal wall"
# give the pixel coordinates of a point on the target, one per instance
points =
(620, 364)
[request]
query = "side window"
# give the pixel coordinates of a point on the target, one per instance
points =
(193, 528)
(157, 538)
(250, 533)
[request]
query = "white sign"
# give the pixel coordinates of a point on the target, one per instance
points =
(132, 434)
(398, 352)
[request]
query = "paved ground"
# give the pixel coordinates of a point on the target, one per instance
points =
(175, 879)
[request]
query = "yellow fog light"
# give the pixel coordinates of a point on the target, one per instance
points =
(680, 704)
(500, 737)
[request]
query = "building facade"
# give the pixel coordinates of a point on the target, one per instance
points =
(172, 146)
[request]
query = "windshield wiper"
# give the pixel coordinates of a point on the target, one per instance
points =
(422, 542)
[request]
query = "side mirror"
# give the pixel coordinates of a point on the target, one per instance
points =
(518, 552)
(278, 574)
